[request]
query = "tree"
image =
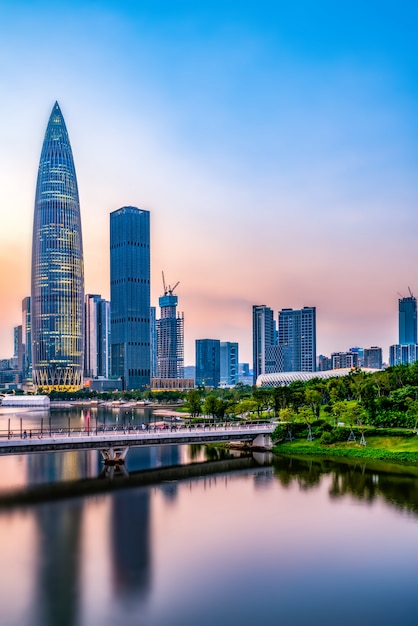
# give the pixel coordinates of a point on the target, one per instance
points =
(194, 402)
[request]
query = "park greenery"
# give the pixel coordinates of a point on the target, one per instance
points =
(387, 398)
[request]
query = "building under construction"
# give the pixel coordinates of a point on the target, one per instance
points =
(170, 336)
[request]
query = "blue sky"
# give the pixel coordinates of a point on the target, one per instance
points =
(274, 143)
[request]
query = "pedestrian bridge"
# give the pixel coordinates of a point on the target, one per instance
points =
(114, 444)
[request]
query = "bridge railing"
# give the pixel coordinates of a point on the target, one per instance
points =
(49, 431)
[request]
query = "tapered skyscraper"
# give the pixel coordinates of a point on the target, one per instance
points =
(57, 302)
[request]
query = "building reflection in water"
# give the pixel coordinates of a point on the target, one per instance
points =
(130, 532)
(61, 466)
(59, 559)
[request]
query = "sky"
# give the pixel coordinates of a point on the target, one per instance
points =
(274, 143)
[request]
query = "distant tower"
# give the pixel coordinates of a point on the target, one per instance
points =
(57, 298)
(170, 336)
(130, 296)
(408, 320)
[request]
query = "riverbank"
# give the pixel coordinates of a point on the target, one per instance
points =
(402, 450)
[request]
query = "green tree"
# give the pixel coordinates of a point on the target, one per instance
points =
(194, 402)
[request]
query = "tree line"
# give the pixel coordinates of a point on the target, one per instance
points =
(386, 398)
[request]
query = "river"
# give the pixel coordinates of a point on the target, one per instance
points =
(265, 540)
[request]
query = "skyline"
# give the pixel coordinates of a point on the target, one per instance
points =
(275, 148)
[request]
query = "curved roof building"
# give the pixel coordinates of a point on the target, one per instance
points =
(282, 379)
(57, 266)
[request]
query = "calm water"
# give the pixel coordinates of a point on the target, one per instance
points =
(293, 542)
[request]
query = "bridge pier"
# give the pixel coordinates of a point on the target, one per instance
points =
(262, 442)
(114, 455)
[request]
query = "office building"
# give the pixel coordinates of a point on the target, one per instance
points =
(153, 340)
(170, 336)
(228, 363)
(27, 340)
(297, 336)
(324, 363)
(18, 346)
(343, 360)
(57, 290)
(264, 336)
(408, 320)
(373, 357)
(403, 354)
(97, 337)
(130, 297)
(208, 364)
(360, 355)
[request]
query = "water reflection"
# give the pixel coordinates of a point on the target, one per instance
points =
(249, 544)
(58, 576)
(130, 540)
(397, 485)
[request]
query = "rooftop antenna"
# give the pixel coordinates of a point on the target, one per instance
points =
(410, 292)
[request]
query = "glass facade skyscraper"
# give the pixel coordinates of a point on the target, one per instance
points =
(130, 297)
(57, 290)
(407, 320)
(97, 338)
(208, 362)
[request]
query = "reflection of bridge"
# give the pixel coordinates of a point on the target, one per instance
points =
(114, 444)
(106, 482)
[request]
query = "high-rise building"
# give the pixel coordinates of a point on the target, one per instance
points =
(229, 363)
(373, 357)
(18, 346)
(153, 340)
(408, 320)
(27, 339)
(57, 297)
(97, 337)
(403, 354)
(130, 296)
(297, 336)
(208, 364)
(170, 336)
(264, 336)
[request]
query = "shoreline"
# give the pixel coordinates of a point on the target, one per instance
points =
(345, 453)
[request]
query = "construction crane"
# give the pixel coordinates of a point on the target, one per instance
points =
(168, 290)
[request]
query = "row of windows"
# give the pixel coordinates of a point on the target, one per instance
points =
(139, 372)
(119, 281)
(123, 320)
(138, 244)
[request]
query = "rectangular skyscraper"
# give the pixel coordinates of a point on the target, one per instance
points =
(208, 364)
(130, 296)
(297, 335)
(407, 321)
(229, 363)
(27, 339)
(264, 337)
(97, 339)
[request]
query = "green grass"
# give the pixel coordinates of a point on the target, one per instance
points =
(398, 449)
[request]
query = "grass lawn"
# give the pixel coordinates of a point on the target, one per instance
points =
(398, 449)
